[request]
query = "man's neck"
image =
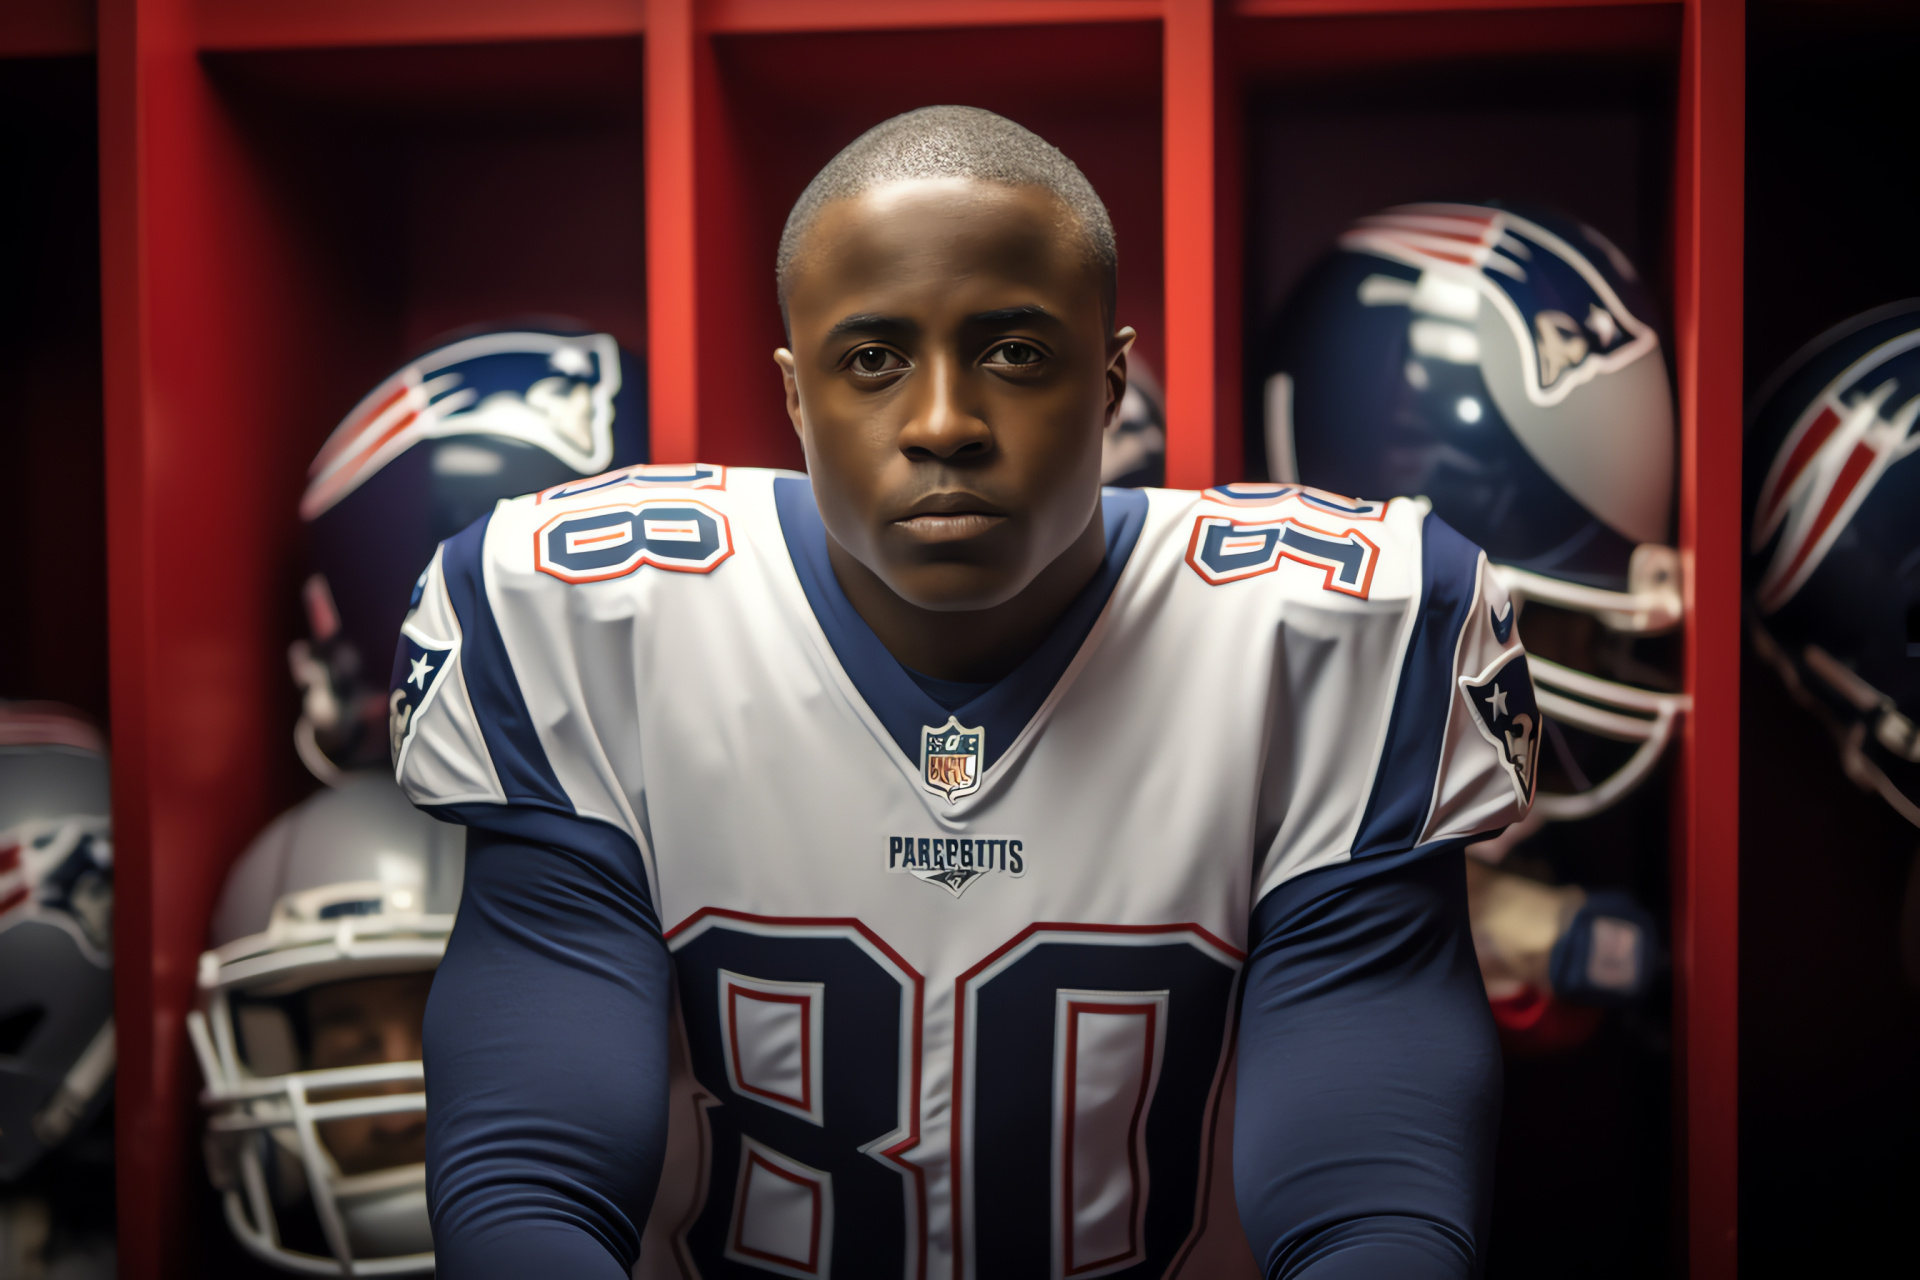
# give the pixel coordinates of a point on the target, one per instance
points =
(978, 645)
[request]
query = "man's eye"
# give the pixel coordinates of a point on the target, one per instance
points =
(1018, 355)
(876, 360)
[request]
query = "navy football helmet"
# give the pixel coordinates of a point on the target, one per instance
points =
(1506, 367)
(495, 412)
(1833, 553)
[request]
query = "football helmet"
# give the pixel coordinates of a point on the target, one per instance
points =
(56, 930)
(1507, 367)
(492, 413)
(1833, 550)
(308, 1030)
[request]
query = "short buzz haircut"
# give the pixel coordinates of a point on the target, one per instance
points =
(955, 142)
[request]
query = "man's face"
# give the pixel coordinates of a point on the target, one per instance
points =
(357, 1023)
(950, 377)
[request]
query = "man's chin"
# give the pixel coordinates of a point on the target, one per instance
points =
(955, 587)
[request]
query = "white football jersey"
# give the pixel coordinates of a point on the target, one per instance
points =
(956, 984)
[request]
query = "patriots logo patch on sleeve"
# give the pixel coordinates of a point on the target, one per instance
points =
(1507, 716)
(417, 669)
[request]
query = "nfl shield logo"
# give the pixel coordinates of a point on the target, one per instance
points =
(952, 759)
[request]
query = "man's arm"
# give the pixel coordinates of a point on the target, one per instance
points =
(546, 1062)
(1369, 1079)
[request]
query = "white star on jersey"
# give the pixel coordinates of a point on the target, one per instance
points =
(422, 668)
(1498, 701)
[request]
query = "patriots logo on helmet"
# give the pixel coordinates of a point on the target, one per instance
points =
(1507, 716)
(1843, 442)
(63, 866)
(552, 390)
(1559, 306)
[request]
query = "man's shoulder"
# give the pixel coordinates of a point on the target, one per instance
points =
(684, 518)
(1291, 541)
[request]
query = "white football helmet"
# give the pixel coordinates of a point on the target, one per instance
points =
(56, 930)
(308, 1030)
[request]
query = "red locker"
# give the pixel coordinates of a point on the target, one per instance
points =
(294, 195)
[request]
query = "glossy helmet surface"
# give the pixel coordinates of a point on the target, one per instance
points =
(1833, 540)
(353, 883)
(56, 930)
(1505, 366)
(497, 412)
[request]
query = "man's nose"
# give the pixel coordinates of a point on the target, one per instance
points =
(946, 422)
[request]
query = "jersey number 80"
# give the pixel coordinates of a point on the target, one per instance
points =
(1087, 1066)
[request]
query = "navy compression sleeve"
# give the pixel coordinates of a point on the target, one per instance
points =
(1369, 1079)
(546, 1062)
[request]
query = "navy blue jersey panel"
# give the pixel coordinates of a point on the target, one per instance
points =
(1369, 1088)
(606, 844)
(951, 694)
(888, 688)
(546, 1062)
(518, 758)
(1417, 730)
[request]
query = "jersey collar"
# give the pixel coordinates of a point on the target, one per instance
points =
(900, 704)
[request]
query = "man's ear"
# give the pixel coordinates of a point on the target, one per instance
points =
(1118, 349)
(784, 358)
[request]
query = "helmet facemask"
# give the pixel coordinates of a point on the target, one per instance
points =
(308, 1035)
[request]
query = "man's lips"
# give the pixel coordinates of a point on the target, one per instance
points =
(948, 527)
(949, 517)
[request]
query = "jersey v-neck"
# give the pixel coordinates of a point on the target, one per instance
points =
(903, 707)
(951, 694)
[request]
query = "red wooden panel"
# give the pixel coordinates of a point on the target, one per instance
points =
(294, 24)
(41, 28)
(673, 294)
(1202, 443)
(776, 108)
(1309, 8)
(202, 302)
(1326, 43)
(1708, 256)
(742, 16)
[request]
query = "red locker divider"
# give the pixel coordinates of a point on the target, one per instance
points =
(240, 319)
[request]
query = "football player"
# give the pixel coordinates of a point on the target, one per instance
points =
(879, 872)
